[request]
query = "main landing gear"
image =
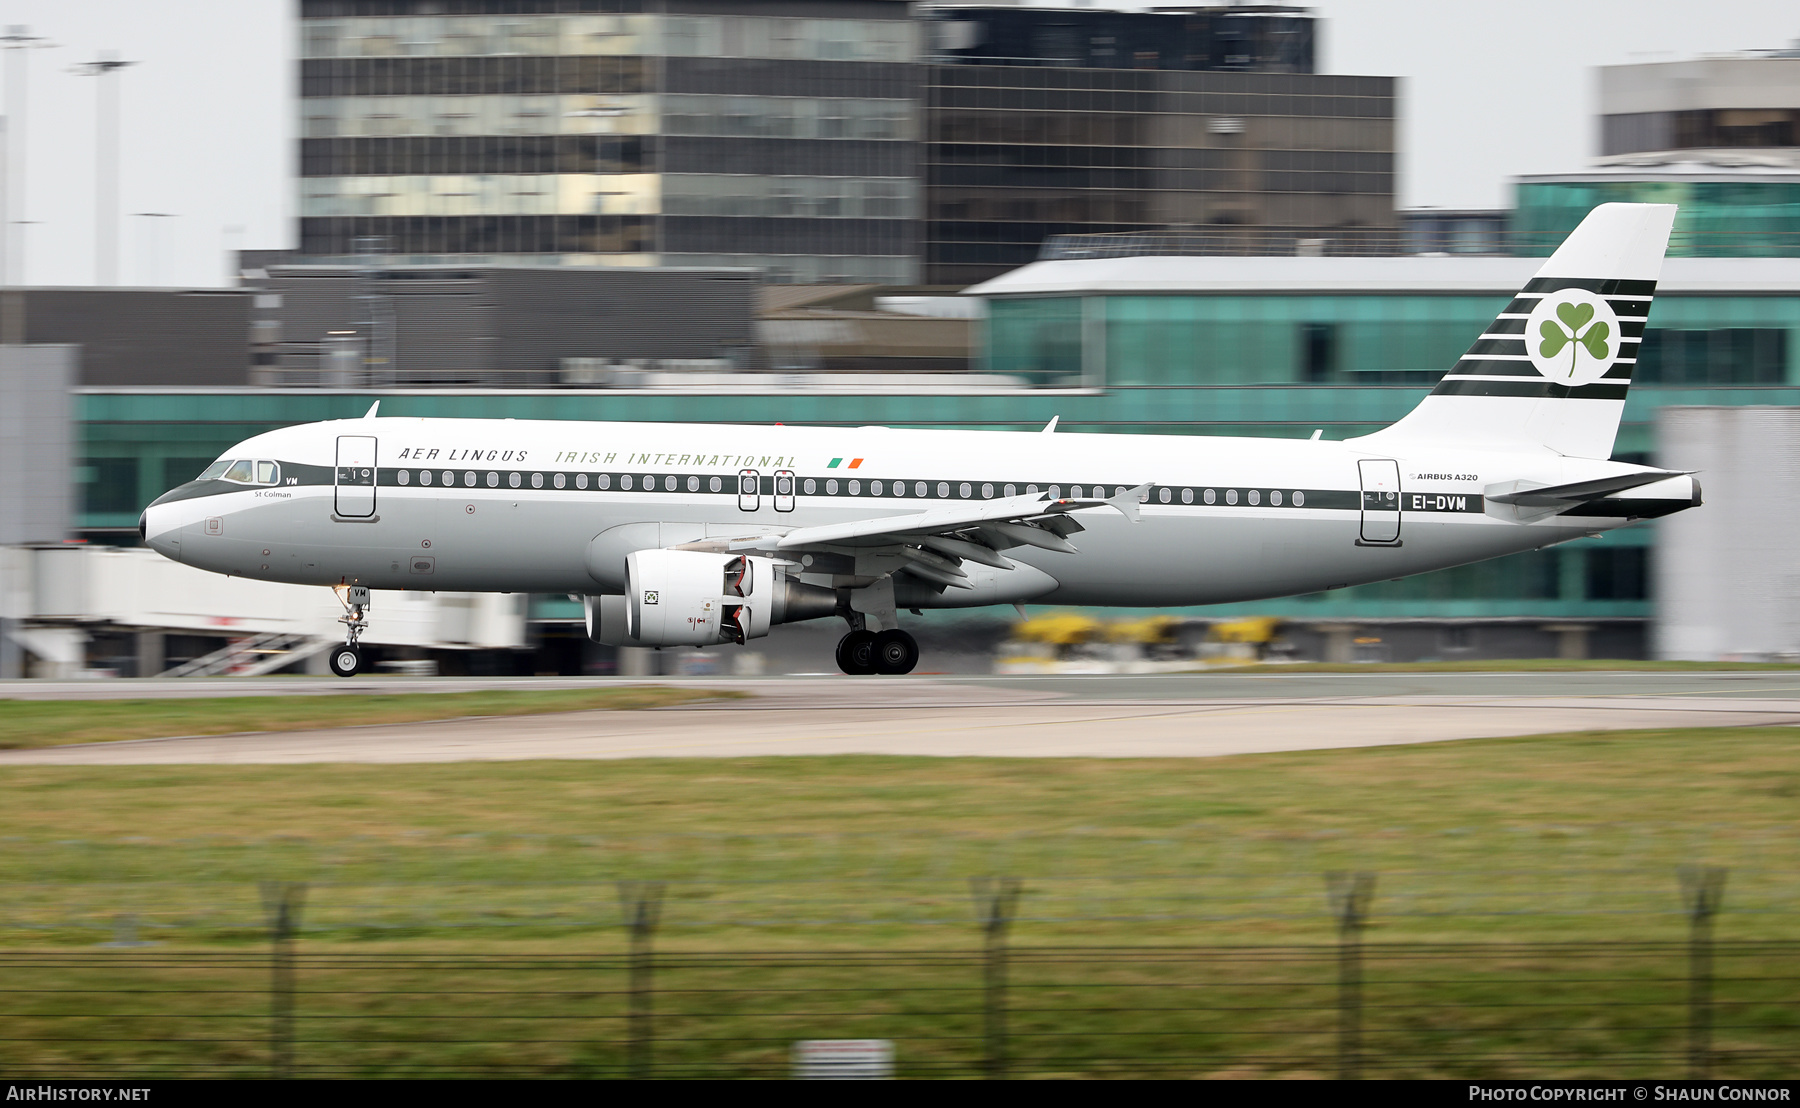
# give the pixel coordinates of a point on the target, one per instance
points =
(346, 660)
(862, 652)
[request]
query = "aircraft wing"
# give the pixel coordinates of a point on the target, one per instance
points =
(934, 541)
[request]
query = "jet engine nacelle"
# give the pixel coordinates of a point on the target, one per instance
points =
(692, 598)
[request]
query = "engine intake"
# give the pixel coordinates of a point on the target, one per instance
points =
(691, 598)
(698, 598)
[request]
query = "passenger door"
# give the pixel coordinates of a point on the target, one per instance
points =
(749, 490)
(1380, 501)
(355, 476)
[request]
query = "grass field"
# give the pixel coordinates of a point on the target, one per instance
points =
(38, 723)
(1555, 836)
(462, 918)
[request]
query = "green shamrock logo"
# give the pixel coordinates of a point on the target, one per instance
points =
(1575, 317)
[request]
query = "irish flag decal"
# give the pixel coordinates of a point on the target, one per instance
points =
(854, 462)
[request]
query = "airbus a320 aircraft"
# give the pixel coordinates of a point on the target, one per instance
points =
(698, 534)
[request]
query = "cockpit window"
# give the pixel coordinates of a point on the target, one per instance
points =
(267, 473)
(215, 471)
(240, 471)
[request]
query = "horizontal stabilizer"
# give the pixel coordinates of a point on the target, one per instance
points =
(1559, 495)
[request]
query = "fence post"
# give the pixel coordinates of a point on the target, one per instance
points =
(1702, 889)
(640, 903)
(995, 899)
(1349, 895)
(282, 901)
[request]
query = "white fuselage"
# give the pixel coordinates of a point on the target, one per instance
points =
(517, 506)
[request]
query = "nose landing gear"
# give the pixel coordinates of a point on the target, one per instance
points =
(888, 652)
(347, 660)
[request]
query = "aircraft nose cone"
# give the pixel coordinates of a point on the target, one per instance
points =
(159, 532)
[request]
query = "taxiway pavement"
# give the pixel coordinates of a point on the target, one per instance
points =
(1177, 715)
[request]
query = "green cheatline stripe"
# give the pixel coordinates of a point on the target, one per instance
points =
(834, 463)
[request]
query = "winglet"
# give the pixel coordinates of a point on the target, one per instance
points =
(1127, 502)
(370, 414)
(1051, 426)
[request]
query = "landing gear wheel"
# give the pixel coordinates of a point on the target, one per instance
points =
(856, 652)
(346, 660)
(895, 652)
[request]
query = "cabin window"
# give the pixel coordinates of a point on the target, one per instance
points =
(559, 480)
(1275, 498)
(944, 489)
(831, 487)
(875, 488)
(537, 480)
(1210, 496)
(511, 479)
(403, 477)
(811, 486)
(1299, 499)
(1010, 490)
(424, 477)
(715, 485)
(1187, 496)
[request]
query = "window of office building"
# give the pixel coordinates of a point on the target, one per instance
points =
(1371, 340)
(1037, 339)
(110, 485)
(1617, 573)
(1746, 217)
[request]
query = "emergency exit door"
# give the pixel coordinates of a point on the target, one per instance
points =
(1380, 500)
(355, 476)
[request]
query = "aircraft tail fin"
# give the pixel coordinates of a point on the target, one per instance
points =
(1553, 368)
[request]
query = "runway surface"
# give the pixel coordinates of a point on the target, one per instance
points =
(1200, 715)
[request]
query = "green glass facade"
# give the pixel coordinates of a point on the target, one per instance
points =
(148, 441)
(1347, 340)
(1718, 218)
(1193, 364)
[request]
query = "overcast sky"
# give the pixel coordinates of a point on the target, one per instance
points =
(1489, 91)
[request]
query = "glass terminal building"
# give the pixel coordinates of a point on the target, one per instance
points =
(1166, 345)
(844, 140)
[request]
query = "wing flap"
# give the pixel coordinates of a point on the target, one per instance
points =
(1011, 510)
